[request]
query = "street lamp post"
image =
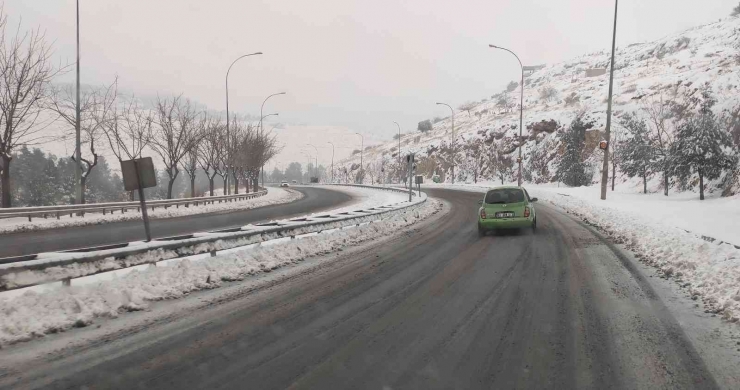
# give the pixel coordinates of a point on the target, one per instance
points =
(607, 135)
(399, 150)
(332, 162)
(263, 106)
(228, 134)
(78, 146)
(316, 167)
(453, 140)
(261, 129)
(362, 150)
(262, 117)
(521, 112)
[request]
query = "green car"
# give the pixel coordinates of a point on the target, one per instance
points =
(506, 208)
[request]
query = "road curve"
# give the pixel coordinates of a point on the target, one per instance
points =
(438, 308)
(17, 244)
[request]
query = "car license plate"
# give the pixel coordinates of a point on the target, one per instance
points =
(505, 214)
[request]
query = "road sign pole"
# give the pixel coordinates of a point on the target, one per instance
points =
(144, 214)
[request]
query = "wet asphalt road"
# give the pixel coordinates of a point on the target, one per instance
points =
(439, 308)
(17, 244)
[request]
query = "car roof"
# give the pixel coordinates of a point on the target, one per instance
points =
(506, 188)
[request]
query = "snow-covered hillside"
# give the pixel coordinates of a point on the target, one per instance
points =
(557, 93)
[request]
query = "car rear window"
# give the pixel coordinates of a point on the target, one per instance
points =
(505, 195)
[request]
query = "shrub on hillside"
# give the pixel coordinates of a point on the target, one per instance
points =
(543, 126)
(424, 126)
(548, 93)
(736, 11)
(572, 99)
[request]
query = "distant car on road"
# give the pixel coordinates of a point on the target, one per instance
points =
(506, 208)
(295, 182)
(284, 184)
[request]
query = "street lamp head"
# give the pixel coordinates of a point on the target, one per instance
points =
(494, 46)
(257, 53)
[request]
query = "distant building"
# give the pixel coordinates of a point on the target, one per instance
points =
(528, 70)
(595, 72)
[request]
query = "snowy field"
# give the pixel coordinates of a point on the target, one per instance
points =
(653, 227)
(48, 309)
(274, 196)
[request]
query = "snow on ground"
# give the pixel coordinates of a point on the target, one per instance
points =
(274, 196)
(708, 270)
(653, 227)
(55, 309)
(714, 217)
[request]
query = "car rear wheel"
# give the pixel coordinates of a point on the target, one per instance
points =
(534, 225)
(481, 231)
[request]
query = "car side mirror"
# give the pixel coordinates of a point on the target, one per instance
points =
(480, 202)
(533, 200)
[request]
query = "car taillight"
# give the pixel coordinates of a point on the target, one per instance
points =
(526, 212)
(482, 213)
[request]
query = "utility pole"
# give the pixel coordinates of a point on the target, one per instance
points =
(399, 144)
(78, 146)
(410, 159)
(453, 140)
(607, 135)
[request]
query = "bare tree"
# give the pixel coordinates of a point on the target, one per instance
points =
(658, 112)
(191, 159)
(128, 129)
(175, 135)
(190, 166)
(25, 74)
(235, 150)
(467, 107)
(96, 105)
(211, 149)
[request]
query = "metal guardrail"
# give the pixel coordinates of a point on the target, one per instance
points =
(58, 211)
(31, 270)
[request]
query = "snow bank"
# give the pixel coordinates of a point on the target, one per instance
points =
(714, 217)
(35, 314)
(708, 270)
(273, 196)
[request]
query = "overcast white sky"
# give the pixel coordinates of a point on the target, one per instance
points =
(346, 65)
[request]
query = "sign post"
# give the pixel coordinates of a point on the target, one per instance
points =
(137, 175)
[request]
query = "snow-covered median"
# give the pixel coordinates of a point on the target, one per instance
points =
(273, 196)
(366, 198)
(34, 314)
